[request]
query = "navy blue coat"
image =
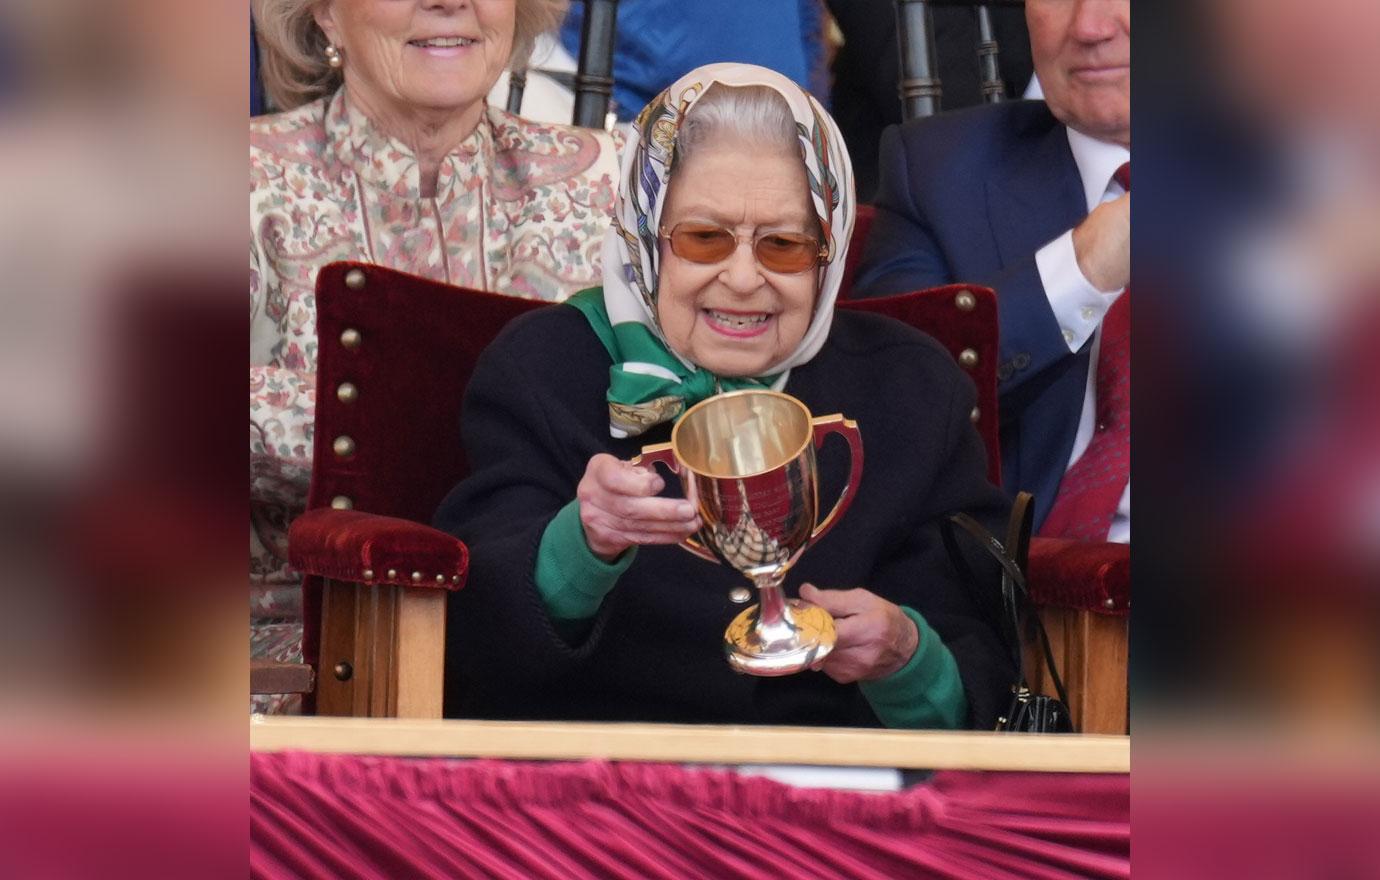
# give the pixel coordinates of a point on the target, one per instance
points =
(970, 197)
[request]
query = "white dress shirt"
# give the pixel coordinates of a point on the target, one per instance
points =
(1077, 305)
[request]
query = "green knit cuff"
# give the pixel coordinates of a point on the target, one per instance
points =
(925, 693)
(571, 579)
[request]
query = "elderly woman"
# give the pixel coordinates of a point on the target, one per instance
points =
(388, 153)
(734, 213)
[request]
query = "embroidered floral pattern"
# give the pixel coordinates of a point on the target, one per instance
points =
(520, 208)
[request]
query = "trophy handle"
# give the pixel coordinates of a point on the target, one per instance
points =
(848, 429)
(661, 453)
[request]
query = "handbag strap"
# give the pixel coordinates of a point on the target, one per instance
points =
(1015, 598)
(1018, 529)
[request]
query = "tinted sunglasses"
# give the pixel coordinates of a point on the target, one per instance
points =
(788, 253)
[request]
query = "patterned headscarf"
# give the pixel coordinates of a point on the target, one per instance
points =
(649, 383)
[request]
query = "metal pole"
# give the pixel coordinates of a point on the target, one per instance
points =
(919, 87)
(993, 90)
(517, 82)
(594, 79)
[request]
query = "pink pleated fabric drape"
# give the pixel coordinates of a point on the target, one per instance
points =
(365, 817)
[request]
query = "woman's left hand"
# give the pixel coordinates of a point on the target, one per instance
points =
(875, 637)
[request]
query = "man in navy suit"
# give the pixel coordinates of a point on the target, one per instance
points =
(1023, 197)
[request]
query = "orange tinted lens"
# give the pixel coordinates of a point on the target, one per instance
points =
(787, 252)
(702, 244)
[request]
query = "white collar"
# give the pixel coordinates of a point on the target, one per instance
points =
(1097, 161)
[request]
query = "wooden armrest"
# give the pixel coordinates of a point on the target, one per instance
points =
(1083, 594)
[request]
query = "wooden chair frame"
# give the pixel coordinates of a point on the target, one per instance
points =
(1092, 652)
(385, 646)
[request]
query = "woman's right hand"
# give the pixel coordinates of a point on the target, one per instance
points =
(619, 508)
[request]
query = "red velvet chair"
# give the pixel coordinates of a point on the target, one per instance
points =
(1082, 592)
(396, 353)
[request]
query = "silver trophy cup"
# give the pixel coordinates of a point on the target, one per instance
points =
(746, 460)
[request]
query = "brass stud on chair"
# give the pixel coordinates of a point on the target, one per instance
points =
(440, 579)
(416, 577)
(343, 670)
(343, 446)
(1109, 603)
(392, 573)
(965, 301)
(368, 574)
(354, 279)
(342, 502)
(975, 414)
(346, 392)
(455, 579)
(968, 358)
(350, 338)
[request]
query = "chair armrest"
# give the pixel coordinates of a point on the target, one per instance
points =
(1081, 575)
(349, 545)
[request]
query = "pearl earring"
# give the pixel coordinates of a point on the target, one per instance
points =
(333, 55)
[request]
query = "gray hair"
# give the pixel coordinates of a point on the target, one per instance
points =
(292, 47)
(756, 114)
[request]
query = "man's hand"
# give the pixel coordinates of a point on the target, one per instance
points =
(1102, 244)
(875, 637)
(619, 508)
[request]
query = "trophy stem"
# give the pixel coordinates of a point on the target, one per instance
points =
(775, 625)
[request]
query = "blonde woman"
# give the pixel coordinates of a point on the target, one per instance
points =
(387, 152)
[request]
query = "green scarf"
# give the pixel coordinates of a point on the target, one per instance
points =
(648, 384)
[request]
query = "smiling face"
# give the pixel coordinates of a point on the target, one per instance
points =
(1082, 54)
(404, 57)
(735, 318)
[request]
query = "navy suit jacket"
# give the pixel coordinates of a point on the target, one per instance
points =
(970, 196)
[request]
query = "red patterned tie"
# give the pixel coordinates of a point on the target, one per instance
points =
(1092, 487)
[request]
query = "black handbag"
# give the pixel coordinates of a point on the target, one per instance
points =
(1029, 712)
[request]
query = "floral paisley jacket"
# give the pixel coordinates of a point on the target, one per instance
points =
(520, 208)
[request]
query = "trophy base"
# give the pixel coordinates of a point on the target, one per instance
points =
(812, 640)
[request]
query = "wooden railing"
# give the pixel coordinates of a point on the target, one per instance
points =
(694, 743)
